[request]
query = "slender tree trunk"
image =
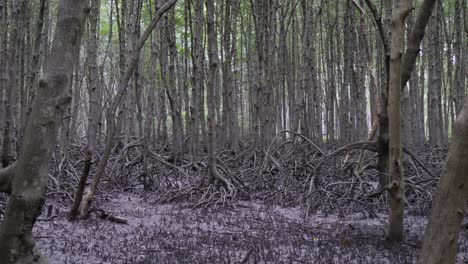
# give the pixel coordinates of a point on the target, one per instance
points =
(171, 90)
(213, 64)
(434, 99)
(230, 114)
(188, 123)
(3, 38)
(112, 125)
(94, 104)
(422, 92)
(31, 81)
(331, 80)
(401, 10)
(197, 85)
(345, 110)
(459, 53)
(11, 84)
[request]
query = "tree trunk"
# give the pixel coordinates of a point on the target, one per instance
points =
(401, 9)
(213, 63)
(30, 182)
(434, 99)
(441, 236)
(345, 110)
(171, 89)
(11, 84)
(3, 37)
(460, 53)
(197, 85)
(230, 113)
(94, 104)
(111, 113)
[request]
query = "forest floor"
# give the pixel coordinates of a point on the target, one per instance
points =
(251, 233)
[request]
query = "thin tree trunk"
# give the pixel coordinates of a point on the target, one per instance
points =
(459, 53)
(94, 104)
(3, 39)
(345, 110)
(401, 10)
(198, 80)
(171, 89)
(213, 64)
(434, 99)
(11, 84)
(111, 113)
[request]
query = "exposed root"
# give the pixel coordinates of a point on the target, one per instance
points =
(294, 175)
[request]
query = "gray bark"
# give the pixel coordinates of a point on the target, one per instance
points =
(30, 182)
(441, 236)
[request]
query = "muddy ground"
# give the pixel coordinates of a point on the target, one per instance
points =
(297, 207)
(252, 232)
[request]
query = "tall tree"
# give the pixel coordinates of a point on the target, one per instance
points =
(112, 113)
(441, 236)
(434, 98)
(29, 184)
(460, 57)
(13, 54)
(401, 10)
(198, 76)
(94, 103)
(230, 113)
(3, 37)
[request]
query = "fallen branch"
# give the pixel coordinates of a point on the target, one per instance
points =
(108, 216)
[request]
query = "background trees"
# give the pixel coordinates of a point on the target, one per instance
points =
(279, 70)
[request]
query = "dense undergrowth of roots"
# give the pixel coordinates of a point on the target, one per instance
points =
(290, 174)
(295, 205)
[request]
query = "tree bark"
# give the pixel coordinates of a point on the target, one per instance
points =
(197, 85)
(401, 10)
(11, 85)
(230, 113)
(213, 65)
(345, 109)
(434, 98)
(30, 183)
(94, 105)
(3, 37)
(441, 236)
(171, 89)
(460, 54)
